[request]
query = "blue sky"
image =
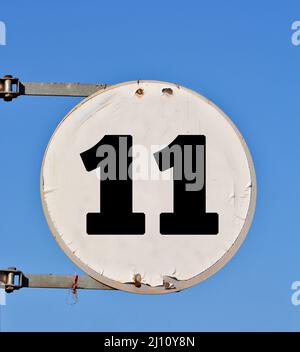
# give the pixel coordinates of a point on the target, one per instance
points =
(237, 53)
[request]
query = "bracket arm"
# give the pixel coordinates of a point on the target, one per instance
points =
(11, 88)
(12, 279)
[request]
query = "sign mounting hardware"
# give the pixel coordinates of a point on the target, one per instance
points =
(156, 193)
(11, 88)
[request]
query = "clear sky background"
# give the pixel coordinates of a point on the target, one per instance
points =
(237, 53)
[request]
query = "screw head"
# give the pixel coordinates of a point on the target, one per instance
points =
(9, 289)
(167, 91)
(139, 92)
(8, 97)
(168, 285)
(137, 280)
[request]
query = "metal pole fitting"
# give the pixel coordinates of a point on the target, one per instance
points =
(9, 88)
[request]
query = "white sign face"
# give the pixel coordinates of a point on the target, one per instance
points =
(148, 183)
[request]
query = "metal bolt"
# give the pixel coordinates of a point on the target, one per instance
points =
(168, 285)
(167, 91)
(139, 92)
(9, 289)
(137, 280)
(8, 88)
(8, 97)
(10, 280)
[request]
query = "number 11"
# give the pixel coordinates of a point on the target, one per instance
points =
(189, 215)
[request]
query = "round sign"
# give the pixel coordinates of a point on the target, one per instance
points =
(148, 187)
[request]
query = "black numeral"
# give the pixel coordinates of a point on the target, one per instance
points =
(116, 216)
(189, 216)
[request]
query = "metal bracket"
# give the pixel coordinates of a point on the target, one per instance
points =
(11, 87)
(13, 279)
